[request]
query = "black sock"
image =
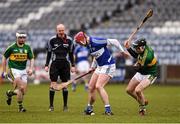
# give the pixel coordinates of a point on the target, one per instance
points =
(11, 93)
(20, 104)
(65, 96)
(51, 97)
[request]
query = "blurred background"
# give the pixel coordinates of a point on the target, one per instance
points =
(101, 18)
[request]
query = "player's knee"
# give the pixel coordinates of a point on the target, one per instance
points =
(99, 87)
(22, 89)
(129, 90)
(17, 80)
(91, 89)
(137, 90)
(18, 91)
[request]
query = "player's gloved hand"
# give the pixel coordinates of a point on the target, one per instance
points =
(4, 74)
(137, 67)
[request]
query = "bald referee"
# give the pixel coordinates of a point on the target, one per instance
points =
(58, 48)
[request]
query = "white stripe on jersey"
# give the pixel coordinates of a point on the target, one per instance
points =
(100, 41)
(109, 59)
(116, 43)
(98, 53)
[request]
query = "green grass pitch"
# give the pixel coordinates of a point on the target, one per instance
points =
(164, 106)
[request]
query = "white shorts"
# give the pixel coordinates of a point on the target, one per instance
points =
(106, 69)
(15, 73)
(138, 76)
(83, 66)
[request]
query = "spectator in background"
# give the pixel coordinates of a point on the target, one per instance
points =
(146, 67)
(18, 53)
(82, 64)
(58, 47)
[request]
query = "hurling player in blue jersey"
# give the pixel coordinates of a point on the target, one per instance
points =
(105, 68)
(82, 64)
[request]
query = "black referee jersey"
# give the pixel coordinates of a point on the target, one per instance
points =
(59, 49)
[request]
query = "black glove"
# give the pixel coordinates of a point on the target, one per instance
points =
(137, 67)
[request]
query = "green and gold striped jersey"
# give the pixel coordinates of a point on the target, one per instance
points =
(18, 56)
(148, 62)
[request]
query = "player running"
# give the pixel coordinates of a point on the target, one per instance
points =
(146, 67)
(18, 53)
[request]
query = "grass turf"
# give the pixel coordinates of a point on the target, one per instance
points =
(164, 106)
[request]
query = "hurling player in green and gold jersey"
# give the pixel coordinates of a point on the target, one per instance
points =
(17, 55)
(146, 67)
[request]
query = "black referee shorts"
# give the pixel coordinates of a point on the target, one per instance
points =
(60, 68)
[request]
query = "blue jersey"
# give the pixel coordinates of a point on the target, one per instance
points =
(98, 49)
(81, 53)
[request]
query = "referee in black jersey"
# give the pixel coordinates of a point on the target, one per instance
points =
(58, 48)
